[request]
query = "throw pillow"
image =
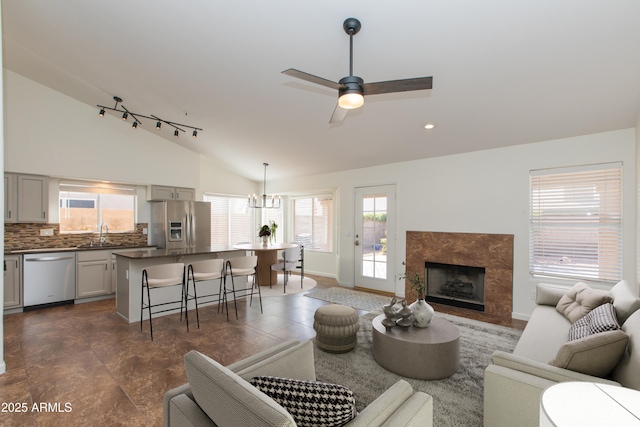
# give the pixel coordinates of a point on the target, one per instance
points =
(580, 300)
(600, 319)
(595, 355)
(311, 403)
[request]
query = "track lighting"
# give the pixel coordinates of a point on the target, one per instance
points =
(125, 115)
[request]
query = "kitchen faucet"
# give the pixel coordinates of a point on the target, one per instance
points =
(102, 226)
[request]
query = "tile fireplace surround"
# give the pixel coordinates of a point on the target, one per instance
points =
(494, 252)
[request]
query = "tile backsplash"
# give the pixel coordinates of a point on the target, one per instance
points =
(20, 236)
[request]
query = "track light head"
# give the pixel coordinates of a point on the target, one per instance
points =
(125, 116)
(101, 113)
(176, 133)
(135, 125)
(195, 133)
(158, 125)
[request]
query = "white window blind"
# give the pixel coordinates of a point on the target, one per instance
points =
(575, 222)
(313, 222)
(231, 220)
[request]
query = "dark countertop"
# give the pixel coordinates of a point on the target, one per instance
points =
(105, 247)
(161, 253)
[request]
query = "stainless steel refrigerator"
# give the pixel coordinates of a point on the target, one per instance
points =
(177, 224)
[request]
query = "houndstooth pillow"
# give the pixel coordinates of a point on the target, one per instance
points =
(600, 319)
(310, 403)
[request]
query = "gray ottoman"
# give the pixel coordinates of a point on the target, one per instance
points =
(336, 326)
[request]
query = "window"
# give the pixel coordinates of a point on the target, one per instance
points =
(85, 206)
(575, 222)
(232, 221)
(313, 222)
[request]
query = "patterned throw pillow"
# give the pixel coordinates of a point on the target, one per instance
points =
(600, 319)
(310, 403)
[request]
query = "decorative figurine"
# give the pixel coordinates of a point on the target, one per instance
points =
(406, 316)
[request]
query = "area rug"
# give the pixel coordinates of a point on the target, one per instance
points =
(293, 286)
(356, 299)
(457, 400)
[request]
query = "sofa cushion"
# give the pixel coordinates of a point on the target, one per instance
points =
(600, 319)
(595, 355)
(311, 403)
(227, 399)
(627, 371)
(580, 300)
(624, 300)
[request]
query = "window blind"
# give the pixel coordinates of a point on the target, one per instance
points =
(313, 222)
(576, 222)
(231, 220)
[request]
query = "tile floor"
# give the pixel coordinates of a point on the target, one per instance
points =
(88, 367)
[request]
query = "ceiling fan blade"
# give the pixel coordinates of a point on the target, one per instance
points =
(311, 78)
(404, 85)
(338, 115)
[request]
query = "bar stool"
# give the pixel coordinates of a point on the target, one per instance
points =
(162, 276)
(202, 271)
(237, 267)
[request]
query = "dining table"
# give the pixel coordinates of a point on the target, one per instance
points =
(267, 254)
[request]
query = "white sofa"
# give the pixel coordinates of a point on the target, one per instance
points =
(513, 383)
(223, 396)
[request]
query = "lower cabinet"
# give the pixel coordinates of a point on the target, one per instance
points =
(12, 280)
(93, 274)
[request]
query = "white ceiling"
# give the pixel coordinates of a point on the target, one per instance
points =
(504, 72)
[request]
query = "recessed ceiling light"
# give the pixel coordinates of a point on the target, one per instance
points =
(429, 126)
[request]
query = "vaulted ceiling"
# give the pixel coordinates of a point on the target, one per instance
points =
(504, 72)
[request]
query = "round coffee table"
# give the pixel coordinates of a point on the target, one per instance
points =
(422, 353)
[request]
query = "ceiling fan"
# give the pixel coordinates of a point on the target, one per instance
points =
(352, 89)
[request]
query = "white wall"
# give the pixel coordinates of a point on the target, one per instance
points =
(480, 192)
(3, 365)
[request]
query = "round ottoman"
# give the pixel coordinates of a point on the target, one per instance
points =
(336, 326)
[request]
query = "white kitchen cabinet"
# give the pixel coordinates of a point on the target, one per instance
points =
(33, 198)
(12, 281)
(10, 197)
(159, 192)
(93, 273)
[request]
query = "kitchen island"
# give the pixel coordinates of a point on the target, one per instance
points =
(129, 267)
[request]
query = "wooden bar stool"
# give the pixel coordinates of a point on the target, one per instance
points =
(162, 276)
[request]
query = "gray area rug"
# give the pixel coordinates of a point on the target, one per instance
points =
(457, 400)
(356, 299)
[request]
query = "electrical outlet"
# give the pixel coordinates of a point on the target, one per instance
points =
(533, 295)
(46, 232)
(145, 231)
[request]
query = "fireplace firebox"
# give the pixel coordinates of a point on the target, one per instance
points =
(455, 285)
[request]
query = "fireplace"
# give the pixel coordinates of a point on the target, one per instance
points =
(455, 285)
(493, 252)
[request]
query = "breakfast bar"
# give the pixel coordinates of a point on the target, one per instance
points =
(129, 267)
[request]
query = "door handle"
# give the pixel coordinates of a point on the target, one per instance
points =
(357, 242)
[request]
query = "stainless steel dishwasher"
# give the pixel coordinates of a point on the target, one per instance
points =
(49, 278)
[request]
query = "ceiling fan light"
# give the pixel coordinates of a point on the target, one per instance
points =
(352, 100)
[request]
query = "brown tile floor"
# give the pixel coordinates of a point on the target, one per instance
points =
(111, 374)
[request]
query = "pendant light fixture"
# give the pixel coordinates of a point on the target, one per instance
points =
(125, 116)
(267, 202)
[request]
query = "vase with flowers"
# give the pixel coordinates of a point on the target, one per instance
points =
(264, 232)
(422, 312)
(273, 227)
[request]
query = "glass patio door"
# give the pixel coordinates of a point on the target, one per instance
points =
(374, 239)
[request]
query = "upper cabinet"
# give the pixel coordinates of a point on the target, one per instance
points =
(26, 198)
(159, 192)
